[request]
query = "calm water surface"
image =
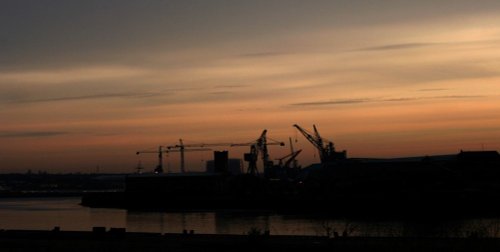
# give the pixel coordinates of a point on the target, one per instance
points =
(45, 213)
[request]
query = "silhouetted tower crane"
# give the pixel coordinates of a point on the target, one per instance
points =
(256, 147)
(181, 147)
(326, 151)
(160, 151)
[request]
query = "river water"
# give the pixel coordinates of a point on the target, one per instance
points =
(66, 213)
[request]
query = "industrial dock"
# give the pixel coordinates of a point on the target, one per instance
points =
(445, 185)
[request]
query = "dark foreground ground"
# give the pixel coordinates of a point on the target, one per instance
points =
(119, 240)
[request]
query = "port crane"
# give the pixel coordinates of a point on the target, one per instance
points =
(326, 150)
(181, 148)
(256, 147)
(290, 159)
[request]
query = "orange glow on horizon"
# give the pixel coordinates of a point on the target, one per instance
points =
(413, 87)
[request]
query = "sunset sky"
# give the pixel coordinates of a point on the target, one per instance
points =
(88, 83)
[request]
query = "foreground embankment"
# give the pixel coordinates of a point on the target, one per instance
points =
(101, 239)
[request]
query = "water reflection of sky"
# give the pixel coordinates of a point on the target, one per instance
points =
(44, 214)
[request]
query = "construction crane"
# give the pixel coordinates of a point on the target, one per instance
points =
(256, 147)
(290, 158)
(181, 148)
(160, 151)
(326, 151)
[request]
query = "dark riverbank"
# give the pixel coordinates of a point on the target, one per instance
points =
(119, 240)
(366, 207)
(56, 185)
(451, 186)
(40, 194)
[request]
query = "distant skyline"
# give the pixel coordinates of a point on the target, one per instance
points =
(88, 83)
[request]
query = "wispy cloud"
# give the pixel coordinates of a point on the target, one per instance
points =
(86, 97)
(73, 75)
(459, 96)
(399, 99)
(221, 93)
(402, 46)
(22, 134)
(374, 100)
(230, 86)
(333, 102)
(398, 46)
(432, 89)
(262, 54)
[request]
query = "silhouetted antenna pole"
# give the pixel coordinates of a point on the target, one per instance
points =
(293, 159)
(139, 167)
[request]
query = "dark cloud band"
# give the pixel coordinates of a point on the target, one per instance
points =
(373, 100)
(22, 134)
(86, 97)
(398, 46)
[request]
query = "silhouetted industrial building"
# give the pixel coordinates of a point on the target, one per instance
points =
(223, 164)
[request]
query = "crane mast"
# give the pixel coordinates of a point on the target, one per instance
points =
(262, 147)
